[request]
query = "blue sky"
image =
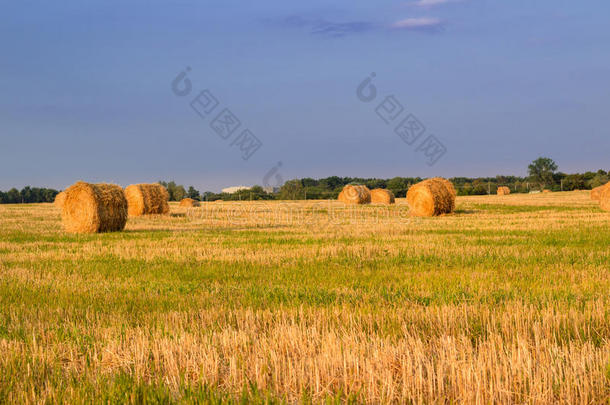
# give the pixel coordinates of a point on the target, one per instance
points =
(85, 88)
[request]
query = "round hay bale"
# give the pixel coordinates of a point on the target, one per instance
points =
(597, 191)
(60, 199)
(189, 202)
(604, 199)
(503, 190)
(431, 197)
(451, 190)
(94, 208)
(147, 199)
(355, 194)
(382, 196)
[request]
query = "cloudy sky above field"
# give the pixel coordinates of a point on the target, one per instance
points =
(86, 88)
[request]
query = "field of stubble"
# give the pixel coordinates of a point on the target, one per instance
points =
(505, 301)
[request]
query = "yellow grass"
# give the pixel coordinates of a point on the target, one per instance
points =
(504, 301)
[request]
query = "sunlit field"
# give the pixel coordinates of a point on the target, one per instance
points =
(505, 301)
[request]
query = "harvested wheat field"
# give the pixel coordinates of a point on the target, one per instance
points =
(502, 301)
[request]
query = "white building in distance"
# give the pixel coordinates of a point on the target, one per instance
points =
(235, 189)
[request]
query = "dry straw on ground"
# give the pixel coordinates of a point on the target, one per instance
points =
(189, 202)
(382, 196)
(145, 199)
(92, 208)
(60, 199)
(503, 190)
(355, 194)
(431, 197)
(597, 191)
(471, 308)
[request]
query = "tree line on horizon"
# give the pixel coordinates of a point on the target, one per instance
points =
(542, 174)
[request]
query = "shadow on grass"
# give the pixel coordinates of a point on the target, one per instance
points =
(466, 212)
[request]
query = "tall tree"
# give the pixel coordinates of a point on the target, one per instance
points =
(542, 170)
(292, 190)
(193, 193)
(398, 186)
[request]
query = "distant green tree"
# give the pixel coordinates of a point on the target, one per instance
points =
(333, 182)
(309, 182)
(375, 183)
(598, 180)
(292, 190)
(466, 189)
(541, 171)
(176, 192)
(179, 193)
(193, 193)
(574, 182)
(398, 186)
(479, 187)
(13, 196)
(210, 196)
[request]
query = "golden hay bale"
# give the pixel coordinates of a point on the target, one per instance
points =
(60, 199)
(451, 190)
(597, 191)
(93, 208)
(189, 202)
(355, 194)
(382, 196)
(447, 184)
(503, 190)
(431, 197)
(604, 199)
(145, 199)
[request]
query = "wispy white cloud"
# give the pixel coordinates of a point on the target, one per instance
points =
(432, 3)
(421, 23)
(333, 29)
(323, 27)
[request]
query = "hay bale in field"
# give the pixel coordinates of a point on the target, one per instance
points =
(503, 190)
(431, 197)
(189, 202)
(597, 191)
(355, 194)
(451, 190)
(382, 196)
(93, 208)
(447, 184)
(147, 199)
(604, 199)
(60, 199)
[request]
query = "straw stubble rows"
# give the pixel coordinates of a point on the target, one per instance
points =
(504, 301)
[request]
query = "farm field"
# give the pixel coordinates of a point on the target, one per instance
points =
(505, 301)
